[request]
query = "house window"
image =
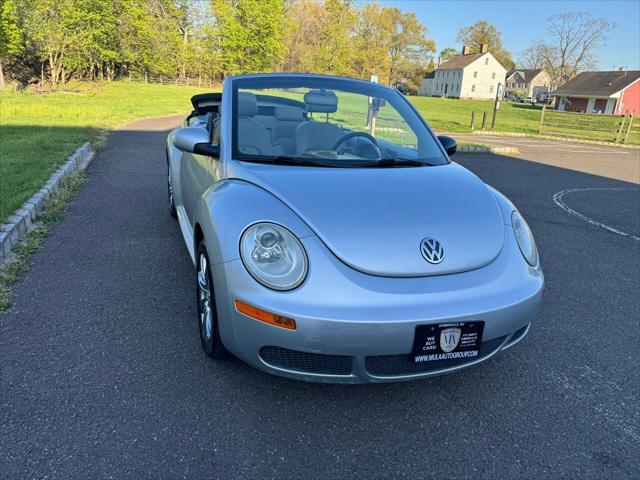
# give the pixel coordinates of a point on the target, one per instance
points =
(490, 88)
(493, 75)
(475, 74)
(473, 88)
(486, 61)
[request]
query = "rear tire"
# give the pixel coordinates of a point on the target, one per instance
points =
(208, 323)
(172, 205)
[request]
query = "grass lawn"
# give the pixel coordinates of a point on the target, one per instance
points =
(452, 115)
(39, 131)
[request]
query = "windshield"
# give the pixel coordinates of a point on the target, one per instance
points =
(328, 122)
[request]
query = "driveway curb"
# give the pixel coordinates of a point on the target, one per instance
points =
(23, 220)
(559, 138)
(485, 149)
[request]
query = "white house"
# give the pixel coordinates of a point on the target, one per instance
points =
(470, 75)
(534, 83)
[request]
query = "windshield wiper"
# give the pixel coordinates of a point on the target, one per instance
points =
(396, 162)
(286, 160)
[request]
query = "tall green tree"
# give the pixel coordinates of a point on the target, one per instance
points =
(409, 49)
(250, 34)
(10, 34)
(483, 32)
(334, 53)
(372, 40)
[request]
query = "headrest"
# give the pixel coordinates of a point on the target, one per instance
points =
(247, 104)
(324, 101)
(289, 114)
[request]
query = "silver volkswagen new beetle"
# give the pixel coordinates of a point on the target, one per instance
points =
(335, 241)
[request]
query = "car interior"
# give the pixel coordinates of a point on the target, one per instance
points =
(272, 125)
(269, 125)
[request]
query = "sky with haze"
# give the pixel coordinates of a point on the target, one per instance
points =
(523, 22)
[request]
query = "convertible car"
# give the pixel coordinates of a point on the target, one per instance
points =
(335, 241)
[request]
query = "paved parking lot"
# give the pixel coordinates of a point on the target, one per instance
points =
(613, 162)
(103, 377)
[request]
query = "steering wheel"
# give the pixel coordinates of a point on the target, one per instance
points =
(365, 146)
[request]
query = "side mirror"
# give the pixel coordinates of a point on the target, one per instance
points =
(195, 140)
(449, 144)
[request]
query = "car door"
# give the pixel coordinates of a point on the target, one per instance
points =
(196, 176)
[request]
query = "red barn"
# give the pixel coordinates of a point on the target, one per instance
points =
(611, 93)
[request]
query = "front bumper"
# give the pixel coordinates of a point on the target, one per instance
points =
(356, 328)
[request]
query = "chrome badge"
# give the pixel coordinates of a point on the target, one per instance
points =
(432, 250)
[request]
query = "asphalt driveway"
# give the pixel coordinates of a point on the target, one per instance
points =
(102, 375)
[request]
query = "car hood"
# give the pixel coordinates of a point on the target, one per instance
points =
(374, 219)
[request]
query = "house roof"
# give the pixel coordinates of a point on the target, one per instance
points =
(601, 84)
(527, 74)
(459, 61)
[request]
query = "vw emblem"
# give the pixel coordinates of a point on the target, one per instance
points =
(432, 250)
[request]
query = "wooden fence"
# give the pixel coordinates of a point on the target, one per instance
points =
(166, 80)
(597, 127)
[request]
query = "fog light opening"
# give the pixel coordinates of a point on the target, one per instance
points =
(266, 317)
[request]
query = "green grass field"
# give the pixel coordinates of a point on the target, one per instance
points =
(39, 131)
(452, 115)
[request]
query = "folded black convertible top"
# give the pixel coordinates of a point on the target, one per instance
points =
(204, 100)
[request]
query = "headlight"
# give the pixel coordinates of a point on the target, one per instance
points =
(273, 256)
(524, 238)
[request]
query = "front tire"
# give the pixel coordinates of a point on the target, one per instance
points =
(208, 323)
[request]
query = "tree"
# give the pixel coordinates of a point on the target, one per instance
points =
(570, 47)
(334, 52)
(447, 53)
(409, 49)
(10, 34)
(371, 41)
(250, 34)
(482, 32)
(303, 35)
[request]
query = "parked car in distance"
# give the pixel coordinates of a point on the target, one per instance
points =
(404, 88)
(335, 241)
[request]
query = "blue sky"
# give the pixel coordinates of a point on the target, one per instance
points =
(522, 22)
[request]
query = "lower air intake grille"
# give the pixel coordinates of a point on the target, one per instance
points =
(389, 365)
(306, 362)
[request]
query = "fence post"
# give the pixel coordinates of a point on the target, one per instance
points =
(484, 119)
(621, 128)
(626, 135)
(473, 118)
(544, 109)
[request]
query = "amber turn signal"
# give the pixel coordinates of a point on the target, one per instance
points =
(266, 317)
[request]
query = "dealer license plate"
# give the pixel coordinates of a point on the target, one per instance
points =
(447, 341)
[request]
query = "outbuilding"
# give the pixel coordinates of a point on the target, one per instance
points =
(610, 93)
